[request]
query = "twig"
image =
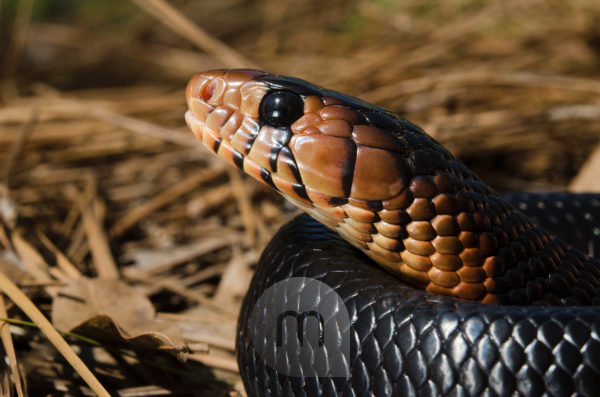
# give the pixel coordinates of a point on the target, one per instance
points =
(97, 240)
(9, 348)
(23, 302)
(17, 146)
(177, 190)
(181, 25)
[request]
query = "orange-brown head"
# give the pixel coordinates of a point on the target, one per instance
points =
(352, 165)
(376, 179)
(313, 145)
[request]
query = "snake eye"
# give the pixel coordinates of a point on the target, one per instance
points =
(281, 108)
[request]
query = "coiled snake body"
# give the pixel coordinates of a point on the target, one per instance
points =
(475, 293)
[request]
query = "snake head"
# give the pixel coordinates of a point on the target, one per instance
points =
(314, 145)
(375, 178)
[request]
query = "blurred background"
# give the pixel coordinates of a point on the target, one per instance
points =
(101, 180)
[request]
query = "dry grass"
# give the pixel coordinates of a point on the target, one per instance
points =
(100, 177)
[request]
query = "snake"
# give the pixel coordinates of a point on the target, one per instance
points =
(407, 275)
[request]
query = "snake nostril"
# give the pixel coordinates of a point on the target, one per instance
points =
(208, 91)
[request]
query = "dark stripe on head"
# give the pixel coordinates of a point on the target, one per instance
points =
(238, 159)
(266, 177)
(300, 191)
(273, 157)
(216, 144)
(348, 176)
(335, 201)
(249, 144)
(291, 162)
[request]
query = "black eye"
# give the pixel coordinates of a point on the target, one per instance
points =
(281, 108)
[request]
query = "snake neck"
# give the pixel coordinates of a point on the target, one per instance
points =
(461, 239)
(523, 263)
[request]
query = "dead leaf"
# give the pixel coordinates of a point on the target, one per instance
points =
(113, 312)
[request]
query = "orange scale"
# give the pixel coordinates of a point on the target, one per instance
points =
(444, 182)
(491, 267)
(472, 274)
(360, 226)
(241, 140)
(325, 162)
(417, 262)
(217, 118)
(339, 112)
(396, 217)
(289, 189)
(473, 291)
(339, 128)
(334, 212)
(445, 203)
(389, 244)
(252, 93)
(312, 104)
(373, 137)
(383, 253)
(323, 199)
(447, 244)
(421, 209)
(420, 230)
(332, 101)
(254, 170)
(236, 77)
(323, 218)
(232, 97)
(423, 187)
(418, 247)
(446, 262)
(445, 225)
(471, 257)
(378, 174)
(433, 288)
(355, 234)
(390, 231)
(443, 278)
(199, 108)
(489, 284)
(490, 299)
(468, 239)
(308, 120)
(401, 201)
(466, 221)
(228, 153)
(210, 140)
(359, 214)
